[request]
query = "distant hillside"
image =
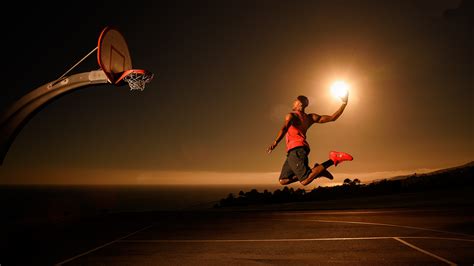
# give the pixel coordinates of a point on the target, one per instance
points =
(437, 172)
(455, 178)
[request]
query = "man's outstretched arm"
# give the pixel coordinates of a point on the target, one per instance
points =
(333, 117)
(281, 133)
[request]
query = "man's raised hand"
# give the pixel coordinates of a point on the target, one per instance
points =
(345, 98)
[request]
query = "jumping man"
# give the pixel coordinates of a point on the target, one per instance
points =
(296, 124)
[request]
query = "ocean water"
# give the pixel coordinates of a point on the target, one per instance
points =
(40, 203)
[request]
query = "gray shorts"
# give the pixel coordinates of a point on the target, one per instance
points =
(296, 164)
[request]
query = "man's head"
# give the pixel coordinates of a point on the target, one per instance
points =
(300, 103)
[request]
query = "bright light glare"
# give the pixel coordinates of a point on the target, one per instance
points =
(339, 88)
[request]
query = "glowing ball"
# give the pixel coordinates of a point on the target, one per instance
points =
(339, 89)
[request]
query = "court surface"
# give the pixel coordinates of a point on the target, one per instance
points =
(350, 237)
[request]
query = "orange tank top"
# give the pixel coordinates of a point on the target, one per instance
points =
(296, 134)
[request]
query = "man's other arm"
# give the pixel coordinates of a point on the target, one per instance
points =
(281, 133)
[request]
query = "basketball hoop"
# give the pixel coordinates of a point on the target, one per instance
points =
(114, 59)
(136, 78)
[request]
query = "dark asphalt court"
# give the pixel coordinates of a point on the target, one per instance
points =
(350, 237)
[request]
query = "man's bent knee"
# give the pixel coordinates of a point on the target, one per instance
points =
(286, 181)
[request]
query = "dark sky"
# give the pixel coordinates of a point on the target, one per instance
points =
(226, 73)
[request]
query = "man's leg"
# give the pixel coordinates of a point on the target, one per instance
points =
(318, 170)
(297, 160)
(287, 175)
(287, 181)
(325, 172)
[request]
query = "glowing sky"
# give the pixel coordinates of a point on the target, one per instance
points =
(226, 73)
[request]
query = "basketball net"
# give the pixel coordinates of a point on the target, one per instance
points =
(138, 80)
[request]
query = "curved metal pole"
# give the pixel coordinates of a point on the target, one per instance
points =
(20, 112)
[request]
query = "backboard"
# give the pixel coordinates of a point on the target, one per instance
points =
(113, 55)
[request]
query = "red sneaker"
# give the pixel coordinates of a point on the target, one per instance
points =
(338, 157)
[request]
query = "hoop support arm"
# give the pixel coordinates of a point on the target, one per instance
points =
(14, 118)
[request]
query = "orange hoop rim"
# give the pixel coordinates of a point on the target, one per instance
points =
(120, 80)
(135, 78)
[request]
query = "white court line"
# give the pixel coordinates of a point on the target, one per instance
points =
(104, 245)
(437, 238)
(251, 240)
(285, 239)
(367, 223)
(322, 212)
(425, 252)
